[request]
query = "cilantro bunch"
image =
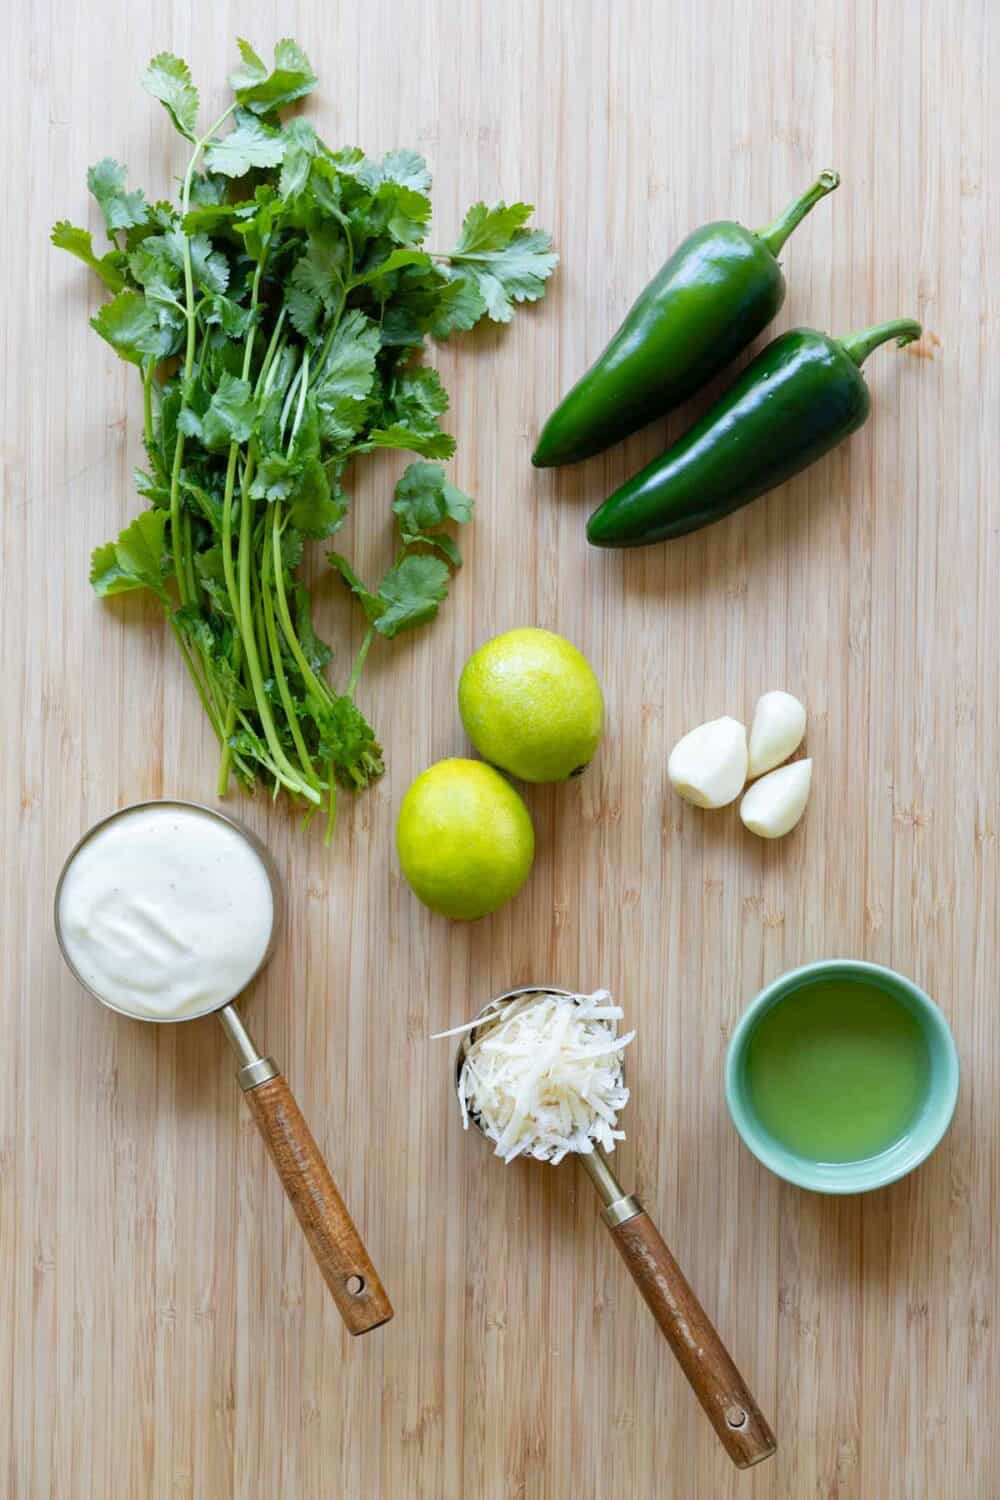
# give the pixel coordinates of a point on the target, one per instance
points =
(276, 316)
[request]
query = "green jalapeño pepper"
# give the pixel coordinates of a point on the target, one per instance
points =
(801, 396)
(715, 293)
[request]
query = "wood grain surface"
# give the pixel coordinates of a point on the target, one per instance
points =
(164, 1331)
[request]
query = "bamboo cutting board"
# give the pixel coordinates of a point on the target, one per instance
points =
(163, 1331)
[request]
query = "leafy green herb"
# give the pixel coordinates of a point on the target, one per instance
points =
(277, 315)
(169, 79)
(121, 209)
(502, 260)
(262, 90)
(138, 560)
(66, 236)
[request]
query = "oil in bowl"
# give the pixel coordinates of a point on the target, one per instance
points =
(839, 1075)
(842, 1076)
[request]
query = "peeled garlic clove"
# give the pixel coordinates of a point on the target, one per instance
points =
(709, 766)
(779, 722)
(776, 802)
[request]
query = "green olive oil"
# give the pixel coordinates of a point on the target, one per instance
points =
(837, 1071)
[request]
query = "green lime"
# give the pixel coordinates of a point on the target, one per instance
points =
(465, 839)
(531, 704)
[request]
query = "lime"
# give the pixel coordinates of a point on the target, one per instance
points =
(465, 839)
(531, 704)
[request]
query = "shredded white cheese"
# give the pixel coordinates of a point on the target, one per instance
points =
(543, 1076)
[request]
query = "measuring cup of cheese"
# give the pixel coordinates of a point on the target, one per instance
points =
(540, 1073)
(165, 911)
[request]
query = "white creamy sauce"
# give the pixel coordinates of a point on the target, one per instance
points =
(166, 912)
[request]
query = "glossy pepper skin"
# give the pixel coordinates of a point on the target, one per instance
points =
(720, 287)
(801, 396)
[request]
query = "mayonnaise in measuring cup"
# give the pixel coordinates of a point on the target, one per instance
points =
(166, 912)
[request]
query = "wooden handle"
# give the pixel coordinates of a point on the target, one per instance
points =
(328, 1226)
(701, 1354)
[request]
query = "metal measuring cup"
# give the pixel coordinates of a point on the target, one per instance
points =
(738, 1421)
(312, 1192)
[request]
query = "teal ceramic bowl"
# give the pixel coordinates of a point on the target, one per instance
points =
(928, 1124)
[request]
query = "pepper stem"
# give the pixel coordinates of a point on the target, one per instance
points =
(775, 235)
(858, 346)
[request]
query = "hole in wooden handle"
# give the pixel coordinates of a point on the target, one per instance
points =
(736, 1416)
(355, 1285)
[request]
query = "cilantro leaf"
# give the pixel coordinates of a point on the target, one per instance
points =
(317, 653)
(138, 560)
(250, 144)
(431, 300)
(424, 501)
(407, 168)
(408, 595)
(213, 638)
(132, 328)
(304, 312)
(168, 78)
(207, 189)
(211, 217)
(505, 262)
(411, 592)
(445, 544)
(231, 414)
(255, 225)
(418, 397)
(347, 743)
(398, 435)
(300, 153)
(276, 478)
(396, 260)
(347, 377)
(210, 267)
(399, 211)
(211, 573)
(260, 90)
(121, 210)
(416, 400)
(66, 236)
(148, 487)
(320, 272)
(229, 316)
(316, 510)
(370, 603)
(459, 306)
(154, 271)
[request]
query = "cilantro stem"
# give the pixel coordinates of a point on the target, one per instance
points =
(175, 517)
(331, 806)
(271, 351)
(278, 668)
(359, 660)
(189, 309)
(289, 399)
(188, 380)
(250, 643)
(318, 688)
(226, 758)
(280, 779)
(189, 578)
(228, 570)
(304, 391)
(147, 402)
(338, 313)
(227, 518)
(195, 675)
